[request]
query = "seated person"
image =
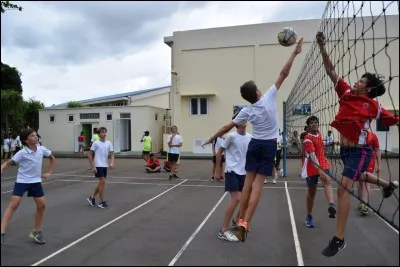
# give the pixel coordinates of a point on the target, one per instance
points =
(153, 164)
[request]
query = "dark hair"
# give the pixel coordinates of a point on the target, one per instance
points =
(249, 92)
(24, 135)
(375, 84)
(82, 132)
(146, 133)
(151, 154)
(102, 129)
(329, 131)
(305, 128)
(312, 118)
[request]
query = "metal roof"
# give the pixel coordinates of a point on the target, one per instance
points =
(110, 97)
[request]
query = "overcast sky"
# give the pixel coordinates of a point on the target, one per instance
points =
(69, 51)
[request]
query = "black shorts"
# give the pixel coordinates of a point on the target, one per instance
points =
(173, 157)
(214, 159)
(101, 172)
(145, 152)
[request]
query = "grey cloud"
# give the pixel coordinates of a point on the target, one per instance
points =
(91, 30)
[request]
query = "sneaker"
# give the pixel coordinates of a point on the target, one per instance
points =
(388, 191)
(103, 205)
(242, 230)
(3, 238)
(265, 181)
(359, 206)
(170, 178)
(92, 201)
(228, 236)
(332, 211)
(212, 179)
(233, 224)
(364, 209)
(175, 176)
(309, 222)
(274, 181)
(37, 236)
(335, 245)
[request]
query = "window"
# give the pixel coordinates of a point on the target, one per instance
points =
(109, 116)
(198, 106)
(52, 118)
(70, 118)
(85, 116)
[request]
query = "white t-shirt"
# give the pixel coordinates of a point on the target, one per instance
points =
(329, 139)
(101, 151)
(235, 146)
(6, 143)
(13, 143)
(262, 115)
(175, 141)
(218, 143)
(30, 164)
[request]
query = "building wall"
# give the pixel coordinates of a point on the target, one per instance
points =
(219, 60)
(160, 100)
(61, 136)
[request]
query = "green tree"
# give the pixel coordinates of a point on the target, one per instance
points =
(75, 104)
(7, 5)
(31, 113)
(11, 106)
(10, 78)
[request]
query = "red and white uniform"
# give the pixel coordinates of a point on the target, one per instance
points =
(355, 112)
(313, 144)
(373, 141)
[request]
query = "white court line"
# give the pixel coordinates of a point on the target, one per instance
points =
(177, 256)
(391, 227)
(297, 246)
(104, 226)
(42, 184)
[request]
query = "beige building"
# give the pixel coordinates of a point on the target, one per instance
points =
(126, 116)
(209, 65)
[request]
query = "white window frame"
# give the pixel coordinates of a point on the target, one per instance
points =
(109, 113)
(54, 115)
(73, 118)
(198, 106)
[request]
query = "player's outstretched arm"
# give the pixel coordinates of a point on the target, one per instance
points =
(330, 70)
(288, 65)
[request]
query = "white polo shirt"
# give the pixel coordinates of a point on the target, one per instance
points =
(175, 141)
(101, 149)
(30, 164)
(262, 115)
(235, 146)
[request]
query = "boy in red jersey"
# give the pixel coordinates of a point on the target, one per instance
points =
(364, 188)
(357, 108)
(315, 165)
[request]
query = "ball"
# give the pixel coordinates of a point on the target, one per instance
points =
(287, 36)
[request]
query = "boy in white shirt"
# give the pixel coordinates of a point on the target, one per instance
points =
(29, 179)
(175, 142)
(262, 114)
(235, 148)
(101, 149)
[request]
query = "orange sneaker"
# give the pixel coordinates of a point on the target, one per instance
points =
(242, 230)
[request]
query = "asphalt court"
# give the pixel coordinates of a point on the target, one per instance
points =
(153, 221)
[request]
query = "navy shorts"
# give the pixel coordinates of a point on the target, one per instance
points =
(260, 156)
(313, 180)
(101, 172)
(172, 157)
(34, 189)
(234, 182)
(355, 161)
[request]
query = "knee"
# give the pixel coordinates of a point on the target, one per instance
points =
(13, 205)
(41, 205)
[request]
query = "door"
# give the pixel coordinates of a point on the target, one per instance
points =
(117, 135)
(77, 132)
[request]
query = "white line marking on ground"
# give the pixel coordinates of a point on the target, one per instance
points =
(294, 229)
(104, 226)
(42, 184)
(391, 227)
(177, 256)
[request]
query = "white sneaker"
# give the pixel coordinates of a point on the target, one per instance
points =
(228, 236)
(265, 181)
(274, 181)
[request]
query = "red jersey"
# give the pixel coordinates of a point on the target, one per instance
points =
(355, 112)
(152, 163)
(313, 144)
(373, 141)
(81, 138)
